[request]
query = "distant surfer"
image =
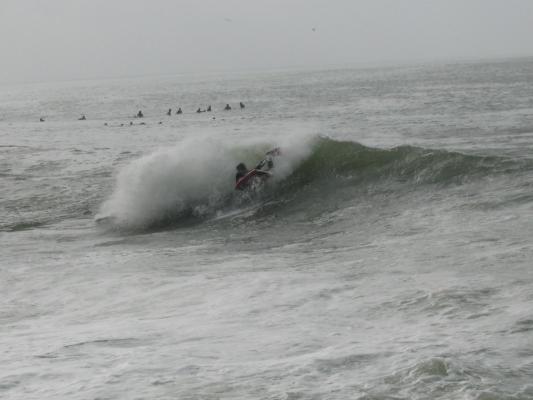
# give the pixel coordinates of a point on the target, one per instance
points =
(209, 108)
(82, 118)
(41, 119)
(179, 111)
(140, 114)
(241, 104)
(199, 110)
(169, 112)
(227, 108)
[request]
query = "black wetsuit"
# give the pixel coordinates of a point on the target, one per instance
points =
(239, 175)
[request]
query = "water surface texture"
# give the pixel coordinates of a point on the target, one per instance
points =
(389, 257)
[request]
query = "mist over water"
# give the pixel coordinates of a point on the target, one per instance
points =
(389, 256)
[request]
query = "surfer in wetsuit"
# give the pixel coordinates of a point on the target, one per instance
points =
(241, 171)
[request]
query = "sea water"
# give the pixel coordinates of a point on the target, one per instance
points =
(389, 256)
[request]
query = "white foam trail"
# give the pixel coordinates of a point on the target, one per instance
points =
(197, 175)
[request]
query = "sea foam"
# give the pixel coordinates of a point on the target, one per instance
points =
(193, 178)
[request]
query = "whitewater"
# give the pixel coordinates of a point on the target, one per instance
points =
(388, 257)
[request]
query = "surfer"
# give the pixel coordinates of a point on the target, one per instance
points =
(241, 104)
(244, 178)
(199, 110)
(140, 114)
(82, 118)
(209, 108)
(241, 172)
(179, 111)
(227, 108)
(169, 112)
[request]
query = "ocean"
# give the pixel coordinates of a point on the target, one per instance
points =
(389, 256)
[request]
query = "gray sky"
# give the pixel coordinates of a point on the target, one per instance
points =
(44, 40)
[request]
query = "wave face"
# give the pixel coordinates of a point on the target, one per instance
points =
(335, 159)
(195, 179)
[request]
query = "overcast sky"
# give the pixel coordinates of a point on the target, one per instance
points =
(43, 40)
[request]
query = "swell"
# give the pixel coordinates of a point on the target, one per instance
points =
(333, 159)
(311, 180)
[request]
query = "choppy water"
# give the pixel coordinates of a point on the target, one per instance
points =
(390, 256)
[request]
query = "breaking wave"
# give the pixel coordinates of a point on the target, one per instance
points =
(195, 179)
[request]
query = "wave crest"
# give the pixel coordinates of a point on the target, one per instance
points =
(195, 179)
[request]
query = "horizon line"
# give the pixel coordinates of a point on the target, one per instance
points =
(286, 68)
